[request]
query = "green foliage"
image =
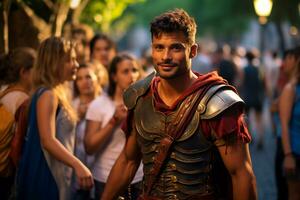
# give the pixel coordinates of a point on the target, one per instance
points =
(225, 18)
(147, 11)
(215, 17)
(100, 14)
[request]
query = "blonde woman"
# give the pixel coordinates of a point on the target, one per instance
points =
(47, 161)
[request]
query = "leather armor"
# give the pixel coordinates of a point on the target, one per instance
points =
(187, 170)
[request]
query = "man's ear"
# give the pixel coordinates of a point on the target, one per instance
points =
(193, 52)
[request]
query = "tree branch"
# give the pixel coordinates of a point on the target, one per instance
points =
(77, 12)
(61, 17)
(49, 4)
(39, 23)
(6, 6)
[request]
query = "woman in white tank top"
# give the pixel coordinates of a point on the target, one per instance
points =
(105, 114)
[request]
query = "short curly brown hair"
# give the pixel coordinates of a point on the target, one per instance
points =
(174, 21)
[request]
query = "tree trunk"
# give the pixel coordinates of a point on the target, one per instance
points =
(5, 9)
(77, 12)
(61, 17)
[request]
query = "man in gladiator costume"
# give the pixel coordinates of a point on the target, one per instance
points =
(186, 128)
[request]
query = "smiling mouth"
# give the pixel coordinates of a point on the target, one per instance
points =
(167, 65)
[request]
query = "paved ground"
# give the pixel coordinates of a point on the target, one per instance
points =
(263, 162)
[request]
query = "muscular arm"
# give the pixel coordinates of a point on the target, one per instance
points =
(124, 169)
(236, 158)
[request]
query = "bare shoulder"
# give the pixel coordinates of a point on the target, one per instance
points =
(47, 99)
(289, 87)
(288, 91)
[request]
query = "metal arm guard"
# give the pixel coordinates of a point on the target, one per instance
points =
(216, 100)
(136, 90)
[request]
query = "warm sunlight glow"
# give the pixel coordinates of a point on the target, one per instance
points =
(74, 3)
(263, 8)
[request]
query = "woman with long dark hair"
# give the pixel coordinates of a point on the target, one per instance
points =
(289, 111)
(86, 89)
(104, 137)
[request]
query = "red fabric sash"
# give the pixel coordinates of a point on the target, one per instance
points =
(230, 121)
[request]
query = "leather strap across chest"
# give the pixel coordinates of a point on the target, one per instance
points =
(175, 129)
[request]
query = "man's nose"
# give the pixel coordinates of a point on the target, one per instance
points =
(167, 55)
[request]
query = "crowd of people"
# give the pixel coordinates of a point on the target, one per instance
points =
(68, 129)
(69, 105)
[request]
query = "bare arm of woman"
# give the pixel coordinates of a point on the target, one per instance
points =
(96, 135)
(46, 111)
(286, 102)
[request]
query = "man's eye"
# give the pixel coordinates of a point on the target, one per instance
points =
(177, 47)
(158, 47)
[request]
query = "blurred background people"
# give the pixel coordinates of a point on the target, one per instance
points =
(222, 62)
(286, 70)
(146, 62)
(272, 63)
(45, 168)
(15, 77)
(202, 62)
(86, 89)
(289, 111)
(81, 34)
(101, 73)
(104, 137)
(253, 94)
(102, 49)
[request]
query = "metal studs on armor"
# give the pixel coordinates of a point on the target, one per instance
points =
(173, 179)
(173, 166)
(173, 155)
(175, 186)
(174, 197)
(153, 147)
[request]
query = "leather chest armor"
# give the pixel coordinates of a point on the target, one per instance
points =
(187, 170)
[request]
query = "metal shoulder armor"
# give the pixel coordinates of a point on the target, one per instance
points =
(136, 90)
(216, 100)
